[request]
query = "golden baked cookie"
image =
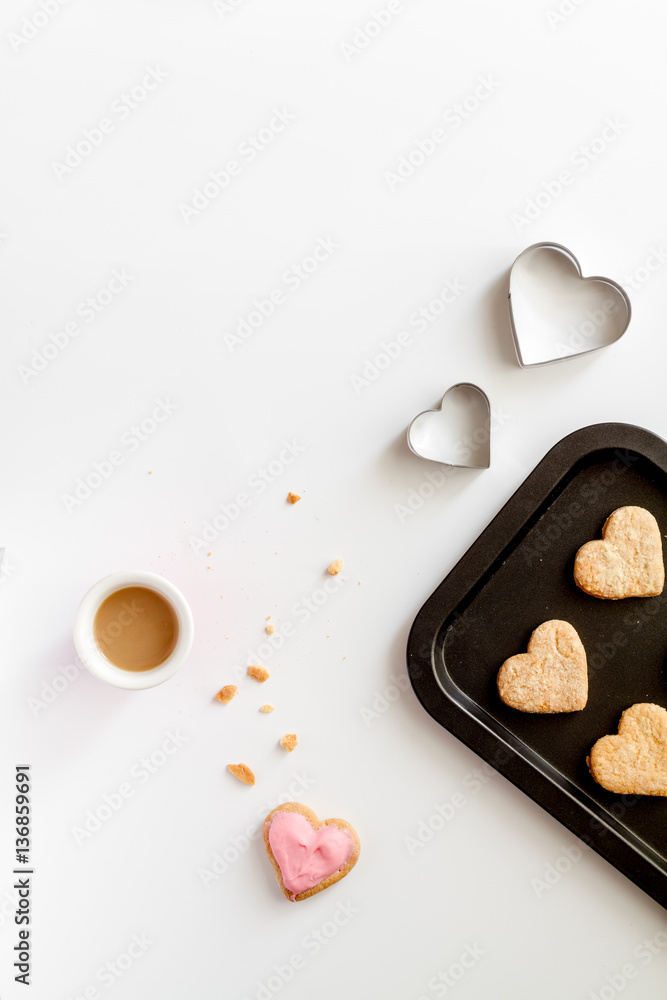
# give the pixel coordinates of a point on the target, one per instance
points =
(307, 854)
(627, 561)
(552, 676)
(635, 761)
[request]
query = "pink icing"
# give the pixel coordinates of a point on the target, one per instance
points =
(307, 856)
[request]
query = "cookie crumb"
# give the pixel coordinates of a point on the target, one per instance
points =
(242, 772)
(267, 708)
(226, 693)
(293, 497)
(260, 674)
(336, 567)
(270, 629)
(289, 741)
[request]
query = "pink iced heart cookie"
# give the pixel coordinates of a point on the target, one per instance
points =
(308, 855)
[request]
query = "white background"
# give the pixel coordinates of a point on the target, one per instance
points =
(355, 112)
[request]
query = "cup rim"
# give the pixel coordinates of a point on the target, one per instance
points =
(96, 662)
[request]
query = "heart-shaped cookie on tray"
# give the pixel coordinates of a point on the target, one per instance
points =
(552, 676)
(635, 761)
(627, 561)
(308, 854)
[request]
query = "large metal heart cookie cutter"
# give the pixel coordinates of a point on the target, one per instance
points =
(556, 313)
(458, 432)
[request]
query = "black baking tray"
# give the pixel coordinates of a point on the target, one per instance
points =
(517, 575)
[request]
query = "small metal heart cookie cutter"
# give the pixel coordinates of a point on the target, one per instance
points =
(556, 313)
(460, 437)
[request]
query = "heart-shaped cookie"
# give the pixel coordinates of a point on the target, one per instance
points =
(551, 676)
(556, 313)
(458, 432)
(308, 854)
(627, 561)
(635, 761)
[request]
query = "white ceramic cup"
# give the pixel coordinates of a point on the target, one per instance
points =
(92, 657)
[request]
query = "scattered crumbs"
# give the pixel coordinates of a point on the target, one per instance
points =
(266, 708)
(226, 693)
(260, 674)
(270, 629)
(242, 772)
(336, 567)
(289, 741)
(293, 497)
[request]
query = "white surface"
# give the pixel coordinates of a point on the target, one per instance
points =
(383, 255)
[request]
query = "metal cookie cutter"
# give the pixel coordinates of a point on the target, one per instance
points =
(556, 313)
(458, 432)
